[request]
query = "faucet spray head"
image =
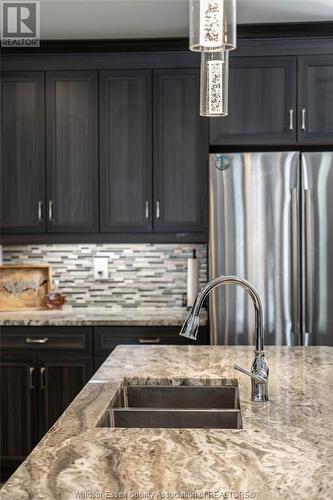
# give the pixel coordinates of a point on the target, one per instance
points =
(190, 327)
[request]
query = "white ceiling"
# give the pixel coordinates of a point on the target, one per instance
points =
(114, 19)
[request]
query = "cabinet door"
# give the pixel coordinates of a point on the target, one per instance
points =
(18, 410)
(72, 157)
(23, 178)
(61, 380)
(125, 150)
(315, 99)
(262, 103)
(180, 153)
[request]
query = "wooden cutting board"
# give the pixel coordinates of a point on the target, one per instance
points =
(24, 286)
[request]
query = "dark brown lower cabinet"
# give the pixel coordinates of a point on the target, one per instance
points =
(42, 371)
(60, 381)
(107, 338)
(35, 391)
(18, 411)
(98, 361)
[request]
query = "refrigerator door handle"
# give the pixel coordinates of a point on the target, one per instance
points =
(307, 265)
(295, 260)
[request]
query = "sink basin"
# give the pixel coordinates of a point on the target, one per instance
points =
(149, 406)
(177, 396)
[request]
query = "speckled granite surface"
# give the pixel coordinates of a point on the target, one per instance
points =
(284, 450)
(87, 316)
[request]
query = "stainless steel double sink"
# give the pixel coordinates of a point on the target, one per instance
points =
(174, 406)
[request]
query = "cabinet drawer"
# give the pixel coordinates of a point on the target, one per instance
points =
(78, 339)
(107, 338)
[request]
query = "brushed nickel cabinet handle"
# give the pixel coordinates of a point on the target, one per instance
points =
(158, 211)
(156, 340)
(303, 119)
(28, 340)
(31, 373)
(43, 378)
(291, 119)
(40, 211)
(147, 209)
(50, 210)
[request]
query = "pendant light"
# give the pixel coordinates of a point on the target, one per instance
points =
(212, 25)
(214, 83)
(213, 33)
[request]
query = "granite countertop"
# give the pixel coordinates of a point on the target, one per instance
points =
(284, 451)
(86, 316)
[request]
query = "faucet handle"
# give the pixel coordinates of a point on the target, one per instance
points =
(255, 376)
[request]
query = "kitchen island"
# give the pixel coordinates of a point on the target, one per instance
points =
(284, 449)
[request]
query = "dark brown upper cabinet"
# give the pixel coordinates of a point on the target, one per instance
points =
(72, 151)
(126, 151)
(23, 191)
(129, 159)
(315, 86)
(262, 103)
(180, 153)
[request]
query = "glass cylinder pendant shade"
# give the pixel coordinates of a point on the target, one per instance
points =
(213, 25)
(214, 83)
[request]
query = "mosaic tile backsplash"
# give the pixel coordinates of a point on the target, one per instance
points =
(146, 275)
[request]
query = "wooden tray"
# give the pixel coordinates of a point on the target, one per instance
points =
(24, 286)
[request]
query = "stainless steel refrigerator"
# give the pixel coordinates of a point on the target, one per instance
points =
(271, 222)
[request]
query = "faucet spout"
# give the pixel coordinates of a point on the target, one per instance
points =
(259, 370)
(187, 331)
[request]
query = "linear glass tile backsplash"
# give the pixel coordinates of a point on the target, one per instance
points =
(146, 275)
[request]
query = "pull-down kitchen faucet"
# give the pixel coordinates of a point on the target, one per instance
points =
(259, 370)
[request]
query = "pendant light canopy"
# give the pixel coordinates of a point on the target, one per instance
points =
(214, 83)
(212, 25)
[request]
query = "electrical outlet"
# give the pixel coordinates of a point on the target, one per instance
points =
(101, 271)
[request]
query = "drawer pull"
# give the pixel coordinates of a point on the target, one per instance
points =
(28, 340)
(156, 340)
(42, 378)
(31, 373)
